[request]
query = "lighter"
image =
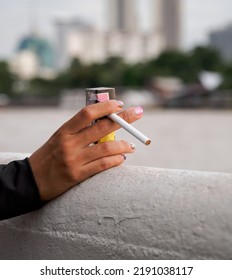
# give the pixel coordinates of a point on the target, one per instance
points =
(101, 94)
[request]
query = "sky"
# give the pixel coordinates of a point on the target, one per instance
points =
(17, 18)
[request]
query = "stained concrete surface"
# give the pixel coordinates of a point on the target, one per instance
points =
(129, 212)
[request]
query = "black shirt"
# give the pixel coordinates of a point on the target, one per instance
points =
(19, 193)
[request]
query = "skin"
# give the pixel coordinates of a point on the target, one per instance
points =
(68, 157)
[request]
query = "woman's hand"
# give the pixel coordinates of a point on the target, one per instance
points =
(67, 158)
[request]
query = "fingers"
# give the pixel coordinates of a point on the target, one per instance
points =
(107, 149)
(101, 164)
(66, 159)
(90, 113)
(106, 126)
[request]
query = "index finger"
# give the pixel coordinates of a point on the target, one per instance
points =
(90, 113)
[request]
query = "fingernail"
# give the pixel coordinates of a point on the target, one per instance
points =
(133, 146)
(138, 111)
(120, 103)
(124, 156)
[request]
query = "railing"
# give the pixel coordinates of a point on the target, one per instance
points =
(128, 212)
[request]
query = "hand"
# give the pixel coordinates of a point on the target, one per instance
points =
(67, 158)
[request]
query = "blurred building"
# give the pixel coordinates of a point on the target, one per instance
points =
(221, 40)
(133, 47)
(122, 15)
(166, 20)
(122, 37)
(75, 38)
(34, 58)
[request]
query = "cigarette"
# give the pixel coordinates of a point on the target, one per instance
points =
(135, 132)
(101, 95)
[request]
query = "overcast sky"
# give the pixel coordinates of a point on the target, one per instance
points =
(17, 16)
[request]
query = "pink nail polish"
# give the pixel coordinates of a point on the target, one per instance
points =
(138, 111)
(120, 103)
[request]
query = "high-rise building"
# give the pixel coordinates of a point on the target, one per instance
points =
(122, 15)
(123, 37)
(166, 18)
(70, 38)
(221, 40)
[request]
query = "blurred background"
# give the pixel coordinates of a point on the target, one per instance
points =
(172, 57)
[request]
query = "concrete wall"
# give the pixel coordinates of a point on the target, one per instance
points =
(128, 213)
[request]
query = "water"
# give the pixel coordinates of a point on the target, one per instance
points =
(181, 139)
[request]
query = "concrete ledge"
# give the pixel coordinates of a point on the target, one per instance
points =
(129, 213)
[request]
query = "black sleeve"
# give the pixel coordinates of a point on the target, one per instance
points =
(19, 193)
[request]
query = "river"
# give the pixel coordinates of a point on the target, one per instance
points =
(181, 139)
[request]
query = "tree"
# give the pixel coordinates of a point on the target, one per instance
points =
(205, 58)
(116, 72)
(227, 76)
(172, 63)
(113, 70)
(6, 79)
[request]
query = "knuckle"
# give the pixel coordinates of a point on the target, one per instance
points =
(69, 163)
(65, 153)
(61, 147)
(124, 144)
(104, 164)
(105, 148)
(110, 106)
(126, 116)
(119, 160)
(86, 113)
(68, 160)
(101, 125)
(65, 147)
